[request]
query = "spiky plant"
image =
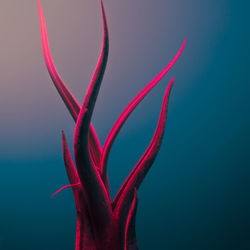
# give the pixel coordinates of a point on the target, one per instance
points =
(102, 223)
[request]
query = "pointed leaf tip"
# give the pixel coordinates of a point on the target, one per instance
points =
(65, 187)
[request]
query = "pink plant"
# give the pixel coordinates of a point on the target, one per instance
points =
(101, 222)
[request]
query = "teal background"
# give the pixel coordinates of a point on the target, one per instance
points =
(196, 196)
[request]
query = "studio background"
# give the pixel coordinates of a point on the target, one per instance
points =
(196, 195)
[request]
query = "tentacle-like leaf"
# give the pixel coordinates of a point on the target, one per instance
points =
(130, 232)
(127, 111)
(83, 217)
(96, 194)
(65, 94)
(73, 177)
(139, 172)
(69, 165)
(67, 97)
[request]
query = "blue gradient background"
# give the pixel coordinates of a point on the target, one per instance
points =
(196, 196)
